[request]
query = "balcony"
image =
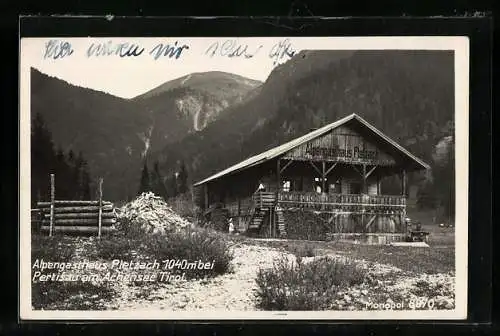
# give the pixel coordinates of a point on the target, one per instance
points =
(264, 199)
(355, 203)
(259, 200)
(343, 202)
(341, 199)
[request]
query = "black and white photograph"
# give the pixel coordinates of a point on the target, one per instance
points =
(244, 178)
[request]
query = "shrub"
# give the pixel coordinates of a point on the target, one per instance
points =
(55, 248)
(305, 286)
(130, 229)
(116, 247)
(193, 245)
(183, 205)
(303, 224)
(304, 251)
(68, 295)
(432, 289)
(63, 294)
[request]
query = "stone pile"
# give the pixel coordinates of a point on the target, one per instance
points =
(151, 214)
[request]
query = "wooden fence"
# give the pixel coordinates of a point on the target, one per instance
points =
(75, 215)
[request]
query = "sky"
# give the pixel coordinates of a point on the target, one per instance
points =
(85, 61)
(130, 76)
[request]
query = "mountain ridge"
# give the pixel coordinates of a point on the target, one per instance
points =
(187, 80)
(408, 95)
(117, 133)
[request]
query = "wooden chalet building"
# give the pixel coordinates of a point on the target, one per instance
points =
(323, 185)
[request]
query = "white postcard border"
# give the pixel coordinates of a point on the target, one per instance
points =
(459, 44)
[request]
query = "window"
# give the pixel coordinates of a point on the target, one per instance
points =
(335, 187)
(286, 186)
(318, 184)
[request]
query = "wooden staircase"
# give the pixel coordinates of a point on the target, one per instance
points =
(263, 202)
(256, 219)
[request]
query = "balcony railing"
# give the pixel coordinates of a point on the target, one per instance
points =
(318, 201)
(264, 199)
(342, 199)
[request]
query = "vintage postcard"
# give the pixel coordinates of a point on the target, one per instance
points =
(290, 178)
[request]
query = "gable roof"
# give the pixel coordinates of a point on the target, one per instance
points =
(282, 149)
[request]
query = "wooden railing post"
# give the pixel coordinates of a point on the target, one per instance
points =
(378, 183)
(403, 192)
(403, 188)
(271, 222)
(100, 209)
(278, 189)
(205, 196)
(52, 202)
(364, 191)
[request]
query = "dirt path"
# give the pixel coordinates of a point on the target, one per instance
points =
(233, 291)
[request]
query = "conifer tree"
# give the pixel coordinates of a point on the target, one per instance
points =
(78, 176)
(42, 159)
(158, 186)
(171, 186)
(145, 183)
(72, 175)
(182, 179)
(71, 172)
(62, 175)
(85, 186)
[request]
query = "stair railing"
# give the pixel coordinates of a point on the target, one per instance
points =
(279, 212)
(253, 206)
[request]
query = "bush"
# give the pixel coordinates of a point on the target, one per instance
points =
(130, 229)
(183, 205)
(305, 225)
(63, 295)
(116, 247)
(304, 251)
(193, 245)
(54, 249)
(305, 286)
(432, 289)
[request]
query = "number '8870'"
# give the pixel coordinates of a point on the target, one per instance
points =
(421, 303)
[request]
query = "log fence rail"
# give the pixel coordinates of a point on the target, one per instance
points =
(74, 215)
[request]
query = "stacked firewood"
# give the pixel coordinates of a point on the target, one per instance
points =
(151, 214)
